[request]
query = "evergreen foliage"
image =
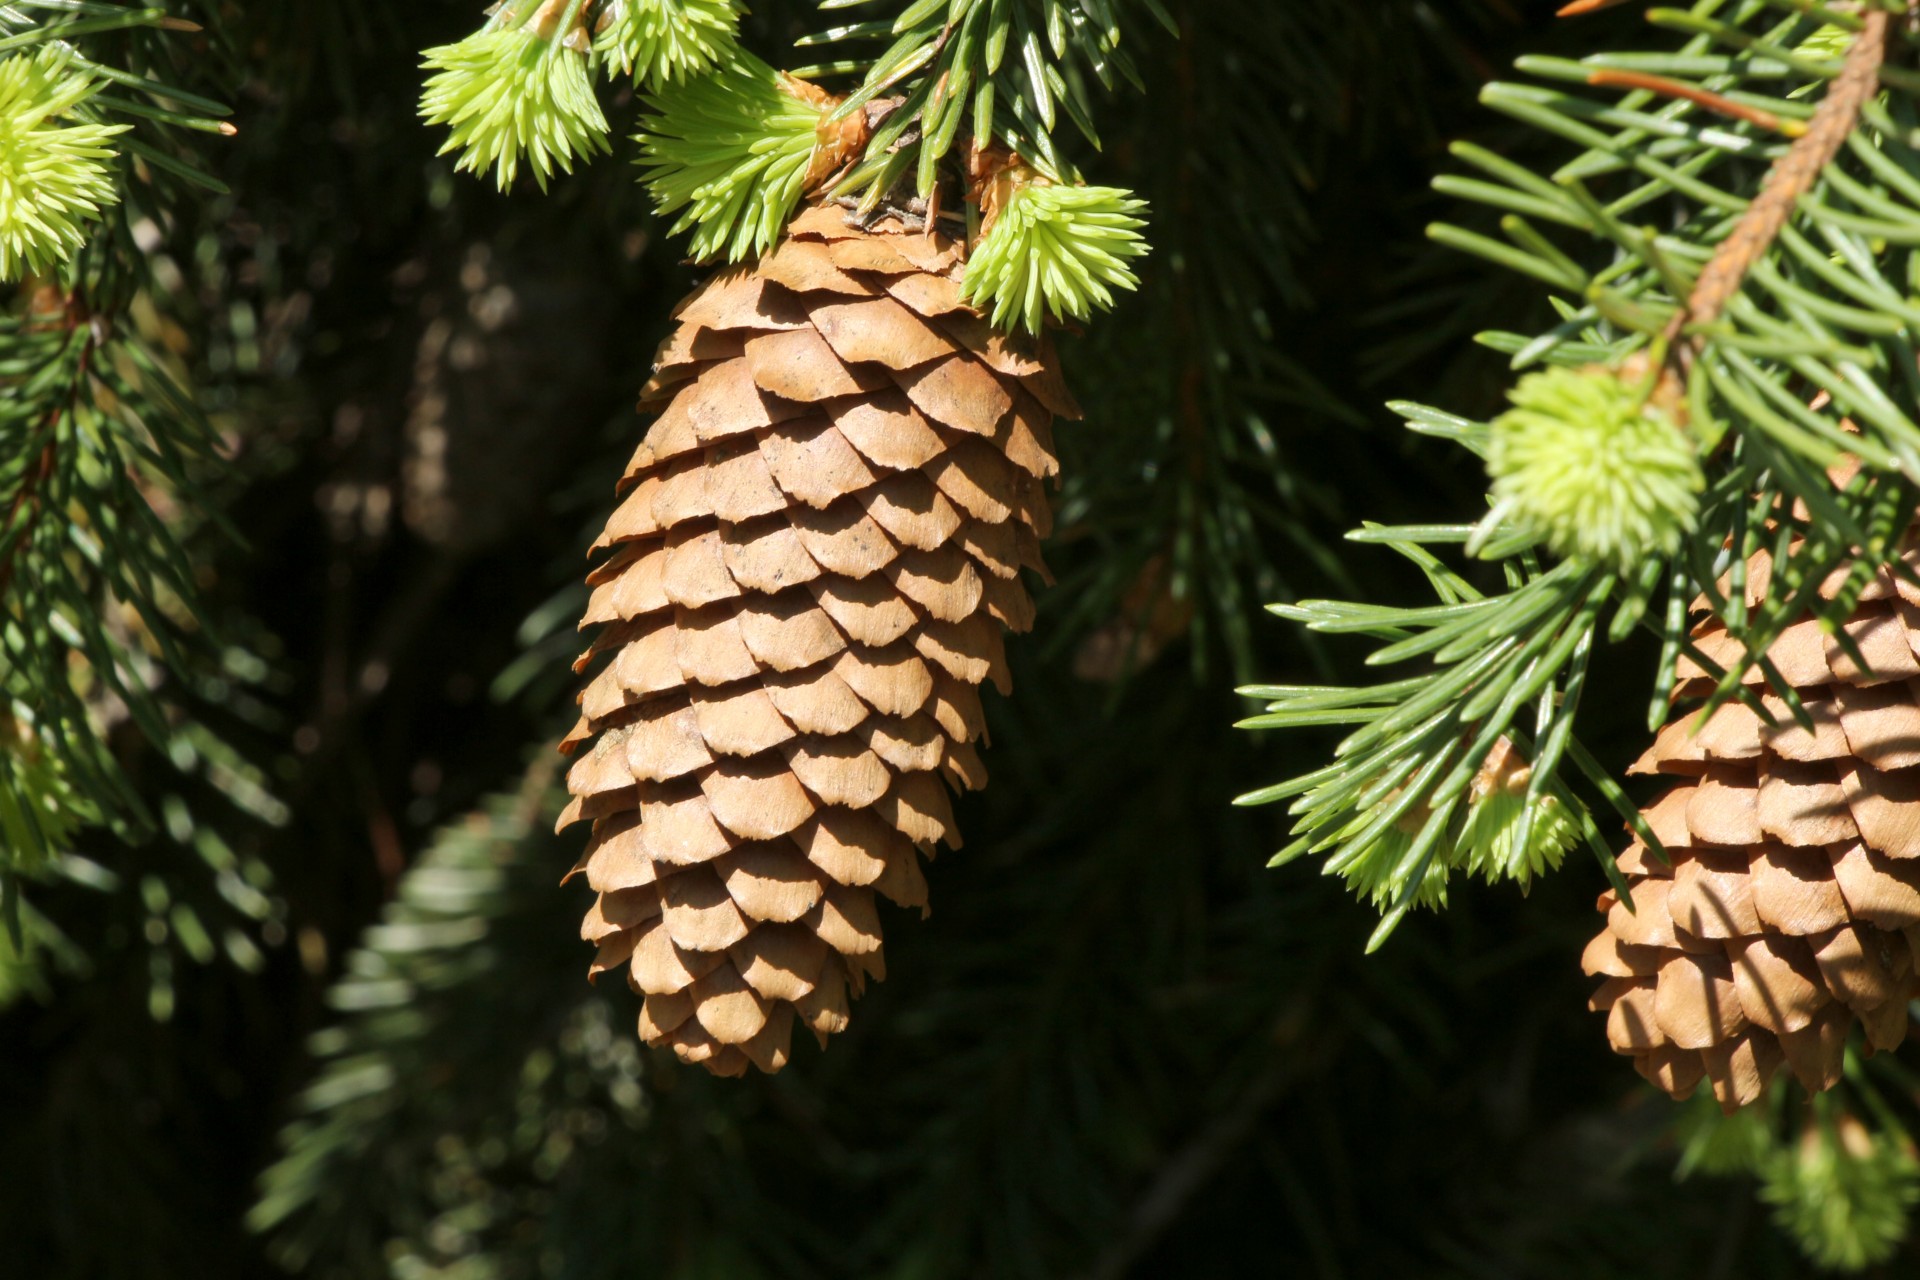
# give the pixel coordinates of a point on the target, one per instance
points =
(518, 87)
(1838, 1169)
(1054, 253)
(113, 470)
(1844, 1193)
(736, 198)
(1593, 468)
(51, 178)
(1011, 72)
(1736, 204)
(660, 41)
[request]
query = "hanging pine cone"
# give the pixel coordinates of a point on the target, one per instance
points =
(820, 546)
(1791, 909)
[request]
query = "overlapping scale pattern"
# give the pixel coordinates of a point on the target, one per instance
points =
(818, 552)
(1791, 909)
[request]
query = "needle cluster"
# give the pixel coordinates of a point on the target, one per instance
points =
(517, 91)
(1055, 253)
(659, 42)
(54, 177)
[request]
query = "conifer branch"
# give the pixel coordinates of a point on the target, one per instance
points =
(414, 979)
(658, 42)
(724, 143)
(733, 153)
(520, 86)
(99, 623)
(1775, 282)
(1791, 177)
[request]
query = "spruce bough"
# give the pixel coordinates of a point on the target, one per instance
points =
(1717, 444)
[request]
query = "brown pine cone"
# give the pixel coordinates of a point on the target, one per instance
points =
(810, 576)
(1791, 910)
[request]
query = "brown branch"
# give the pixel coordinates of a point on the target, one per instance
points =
(1607, 77)
(1791, 177)
(26, 508)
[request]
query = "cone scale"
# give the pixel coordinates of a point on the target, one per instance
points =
(1791, 908)
(818, 553)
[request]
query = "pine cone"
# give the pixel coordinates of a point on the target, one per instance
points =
(819, 548)
(1792, 906)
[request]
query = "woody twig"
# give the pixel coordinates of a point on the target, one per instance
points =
(1792, 176)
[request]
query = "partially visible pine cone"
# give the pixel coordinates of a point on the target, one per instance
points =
(810, 576)
(1792, 908)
